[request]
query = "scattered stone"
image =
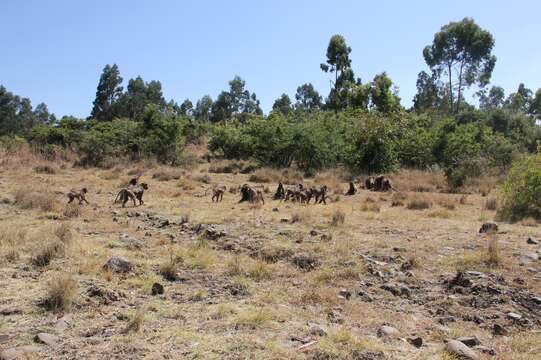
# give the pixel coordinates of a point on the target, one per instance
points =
(388, 331)
(486, 350)
(532, 241)
(416, 341)
(469, 341)
(397, 290)
(104, 295)
(118, 264)
(130, 241)
(528, 257)
(317, 330)
(514, 316)
(489, 227)
(157, 289)
(46, 339)
(365, 355)
(335, 317)
(498, 329)
(460, 350)
(344, 294)
(20, 352)
(364, 296)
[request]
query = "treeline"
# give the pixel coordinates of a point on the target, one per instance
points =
(360, 125)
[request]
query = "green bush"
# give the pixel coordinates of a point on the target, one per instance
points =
(522, 189)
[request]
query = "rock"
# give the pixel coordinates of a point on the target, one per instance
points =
(20, 352)
(388, 331)
(460, 350)
(335, 317)
(528, 257)
(489, 227)
(498, 329)
(486, 350)
(397, 290)
(416, 341)
(514, 316)
(364, 296)
(317, 330)
(130, 241)
(118, 264)
(344, 294)
(532, 241)
(62, 324)
(364, 355)
(157, 289)
(536, 300)
(46, 339)
(104, 296)
(469, 341)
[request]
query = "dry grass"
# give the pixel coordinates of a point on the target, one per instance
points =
(136, 322)
(253, 319)
(61, 291)
(491, 204)
(419, 203)
(529, 221)
(72, 210)
(447, 203)
(64, 233)
(370, 206)
(169, 269)
(45, 169)
(38, 199)
(418, 181)
(46, 252)
(301, 216)
(167, 175)
(493, 252)
(338, 217)
(205, 179)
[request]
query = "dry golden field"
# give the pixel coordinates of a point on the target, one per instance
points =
(275, 281)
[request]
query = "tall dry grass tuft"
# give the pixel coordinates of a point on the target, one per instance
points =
(491, 204)
(419, 180)
(338, 218)
(166, 175)
(419, 203)
(35, 199)
(61, 291)
(45, 169)
(493, 253)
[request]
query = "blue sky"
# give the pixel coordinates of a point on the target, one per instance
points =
(53, 51)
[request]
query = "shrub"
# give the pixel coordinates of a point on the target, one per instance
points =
(419, 203)
(47, 252)
(61, 291)
(522, 190)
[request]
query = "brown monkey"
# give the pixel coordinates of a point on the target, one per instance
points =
(133, 181)
(218, 194)
(259, 197)
(250, 195)
(79, 195)
(131, 193)
(320, 195)
(280, 192)
(369, 183)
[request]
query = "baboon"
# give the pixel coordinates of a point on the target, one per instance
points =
(381, 183)
(218, 193)
(369, 183)
(294, 193)
(133, 181)
(251, 195)
(133, 193)
(280, 192)
(79, 195)
(352, 190)
(320, 195)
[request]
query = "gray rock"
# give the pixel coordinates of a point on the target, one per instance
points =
(498, 329)
(514, 316)
(130, 241)
(460, 350)
(118, 264)
(46, 339)
(388, 331)
(20, 352)
(397, 290)
(469, 341)
(489, 227)
(62, 323)
(317, 330)
(528, 257)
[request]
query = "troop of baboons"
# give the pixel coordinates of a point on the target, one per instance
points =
(298, 193)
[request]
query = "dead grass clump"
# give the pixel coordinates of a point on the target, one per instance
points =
(441, 214)
(47, 252)
(112, 174)
(39, 199)
(136, 322)
(274, 254)
(61, 291)
(292, 177)
(236, 265)
(318, 295)
(370, 206)
(464, 200)
(528, 221)
(45, 169)
(447, 203)
(186, 185)
(72, 210)
(491, 204)
(419, 181)
(301, 216)
(338, 217)
(135, 172)
(419, 203)
(169, 269)
(265, 175)
(166, 175)
(259, 270)
(493, 253)
(253, 319)
(64, 234)
(370, 199)
(333, 179)
(205, 179)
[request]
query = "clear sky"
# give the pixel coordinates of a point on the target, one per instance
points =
(53, 51)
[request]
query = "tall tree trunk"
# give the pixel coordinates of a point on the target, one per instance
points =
(459, 88)
(450, 88)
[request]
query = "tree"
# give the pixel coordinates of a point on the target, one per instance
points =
(384, 97)
(282, 105)
(428, 92)
(203, 108)
(139, 94)
(237, 102)
(308, 99)
(493, 100)
(41, 114)
(520, 100)
(535, 106)
(461, 50)
(107, 93)
(186, 108)
(339, 63)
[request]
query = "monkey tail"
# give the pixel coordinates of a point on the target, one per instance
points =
(118, 196)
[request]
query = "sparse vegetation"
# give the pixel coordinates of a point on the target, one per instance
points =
(61, 292)
(338, 217)
(419, 203)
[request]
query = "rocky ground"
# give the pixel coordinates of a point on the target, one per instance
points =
(369, 276)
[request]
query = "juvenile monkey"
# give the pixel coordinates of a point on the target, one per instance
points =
(218, 194)
(131, 193)
(79, 195)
